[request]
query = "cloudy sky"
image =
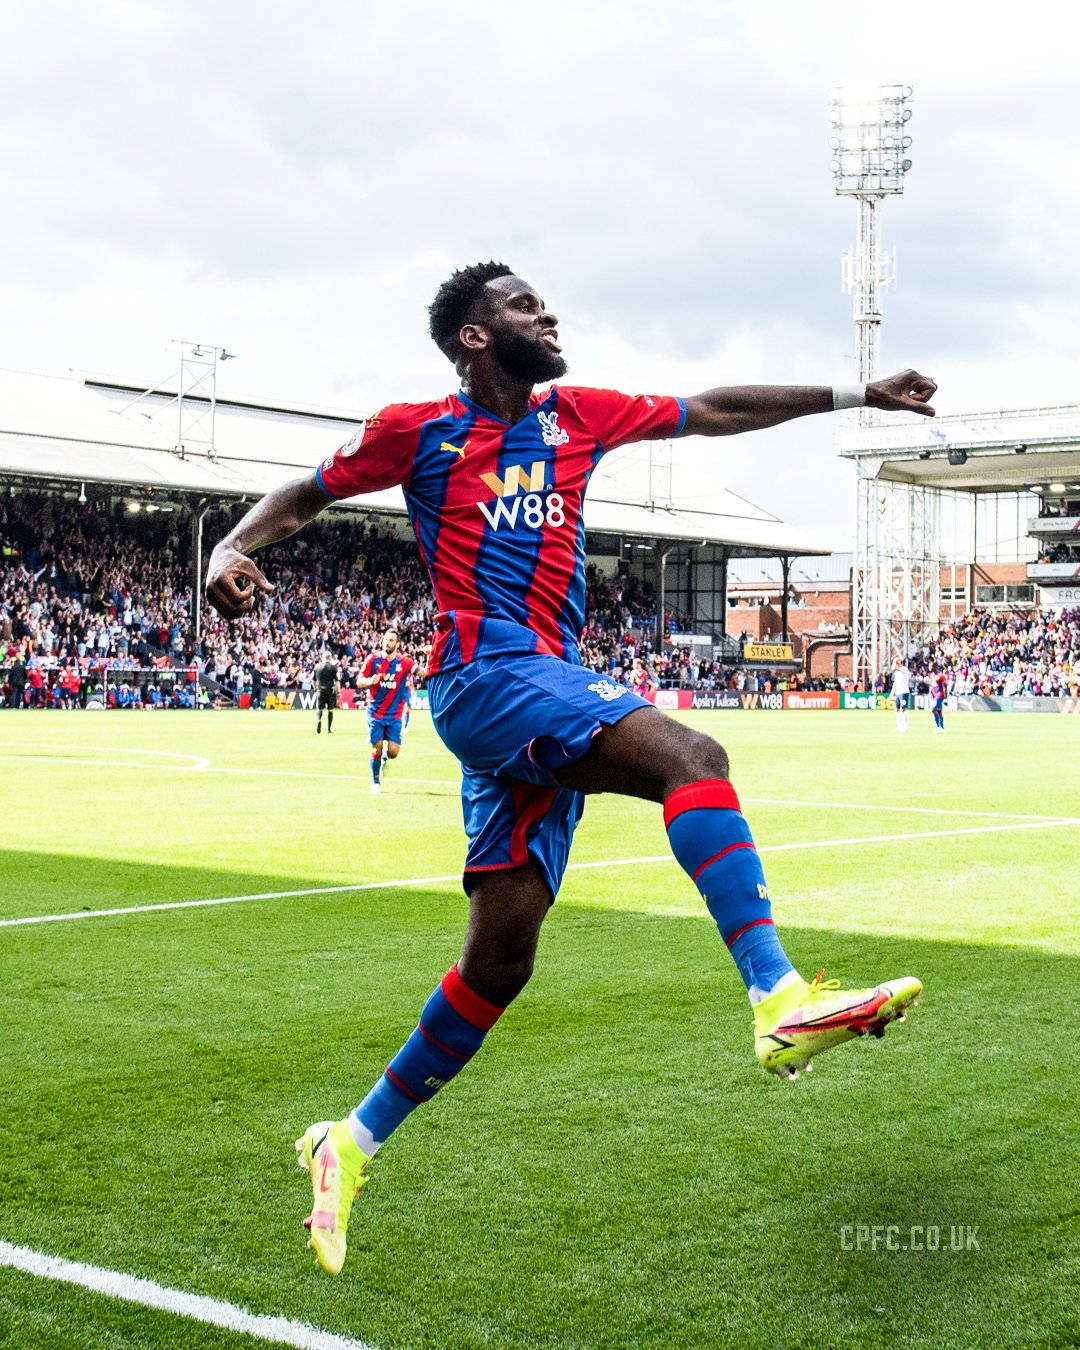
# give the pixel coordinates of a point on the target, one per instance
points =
(295, 188)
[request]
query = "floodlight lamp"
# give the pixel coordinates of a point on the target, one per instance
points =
(957, 457)
(133, 507)
(905, 165)
(82, 494)
(1057, 487)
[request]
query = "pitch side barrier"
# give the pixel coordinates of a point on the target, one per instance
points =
(689, 700)
(1031, 703)
(307, 700)
(830, 700)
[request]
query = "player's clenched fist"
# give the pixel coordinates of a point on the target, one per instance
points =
(906, 392)
(232, 581)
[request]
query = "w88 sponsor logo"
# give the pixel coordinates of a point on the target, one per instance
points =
(534, 510)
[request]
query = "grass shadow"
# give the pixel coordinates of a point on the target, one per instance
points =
(613, 1171)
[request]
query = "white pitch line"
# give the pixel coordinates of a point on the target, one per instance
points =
(214, 1312)
(231, 899)
(107, 763)
(76, 755)
(356, 778)
(456, 876)
(206, 766)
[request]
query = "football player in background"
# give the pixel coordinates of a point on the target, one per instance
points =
(901, 688)
(386, 676)
(937, 700)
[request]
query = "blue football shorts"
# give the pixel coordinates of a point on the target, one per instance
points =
(513, 722)
(384, 729)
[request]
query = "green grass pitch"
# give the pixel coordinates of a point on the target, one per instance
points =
(613, 1170)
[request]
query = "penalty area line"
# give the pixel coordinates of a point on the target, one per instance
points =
(571, 867)
(214, 1312)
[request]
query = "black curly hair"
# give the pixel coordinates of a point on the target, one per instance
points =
(460, 300)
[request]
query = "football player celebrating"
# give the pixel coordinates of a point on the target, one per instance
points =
(494, 477)
(386, 677)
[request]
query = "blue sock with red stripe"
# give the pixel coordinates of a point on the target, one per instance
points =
(452, 1028)
(712, 842)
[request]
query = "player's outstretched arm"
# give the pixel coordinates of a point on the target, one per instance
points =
(232, 579)
(750, 407)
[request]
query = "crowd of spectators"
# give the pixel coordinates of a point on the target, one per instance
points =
(339, 586)
(1063, 552)
(77, 595)
(90, 586)
(992, 652)
(86, 586)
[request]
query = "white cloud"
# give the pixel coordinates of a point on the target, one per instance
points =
(296, 187)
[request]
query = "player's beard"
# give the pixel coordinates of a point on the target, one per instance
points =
(525, 358)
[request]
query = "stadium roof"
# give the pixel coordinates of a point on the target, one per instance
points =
(1009, 450)
(76, 429)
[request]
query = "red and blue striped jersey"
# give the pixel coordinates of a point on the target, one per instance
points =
(387, 698)
(497, 508)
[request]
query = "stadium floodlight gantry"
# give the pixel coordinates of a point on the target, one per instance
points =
(906, 471)
(869, 142)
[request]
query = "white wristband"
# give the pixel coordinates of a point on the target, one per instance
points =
(848, 396)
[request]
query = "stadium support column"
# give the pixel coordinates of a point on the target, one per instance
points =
(662, 552)
(198, 515)
(725, 554)
(895, 593)
(785, 572)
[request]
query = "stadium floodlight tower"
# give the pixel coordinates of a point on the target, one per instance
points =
(196, 398)
(892, 588)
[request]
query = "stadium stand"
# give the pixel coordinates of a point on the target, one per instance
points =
(86, 587)
(995, 652)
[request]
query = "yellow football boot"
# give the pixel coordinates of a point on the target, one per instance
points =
(329, 1154)
(801, 1020)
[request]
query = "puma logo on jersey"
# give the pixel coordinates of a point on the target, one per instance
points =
(458, 450)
